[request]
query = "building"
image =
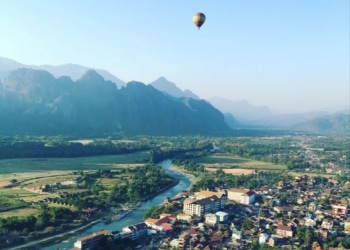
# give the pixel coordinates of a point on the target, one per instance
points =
(347, 226)
(211, 219)
(89, 241)
(163, 224)
(236, 235)
(184, 218)
(313, 206)
(221, 195)
(201, 207)
(223, 216)
(135, 231)
(327, 224)
(243, 196)
(285, 231)
(339, 210)
(263, 238)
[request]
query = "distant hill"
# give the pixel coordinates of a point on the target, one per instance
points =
(34, 101)
(241, 110)
(336, 123)
(162, 84)
(249, 116)
(74, 71)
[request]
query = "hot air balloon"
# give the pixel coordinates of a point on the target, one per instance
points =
(198, 19)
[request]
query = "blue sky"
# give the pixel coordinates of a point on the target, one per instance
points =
(288, 55)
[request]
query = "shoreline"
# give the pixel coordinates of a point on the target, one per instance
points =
(62, 236)
(179, 170)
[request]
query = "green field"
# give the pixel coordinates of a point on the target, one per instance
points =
(38, 172)
(8, 166)
(31, 174)
(228, 161)
(22, 212)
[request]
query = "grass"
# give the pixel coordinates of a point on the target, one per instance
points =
(22, 212)
(34, 173)
(20, 193)
(293, 173)
(228, 161)
(10, 167)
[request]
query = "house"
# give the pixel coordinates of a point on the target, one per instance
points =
(89, 241)
(285, 231)
(263, 237)
(243, 196)
(163, 224)
(166, 227)
(327, 224)
(310, 220)
(184, 218)
(339, 210)
(171, 218)
(313, 206)
(347, 226)
(211, 219)
(237, 235)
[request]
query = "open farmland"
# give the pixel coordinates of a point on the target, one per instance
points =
(21, 211)
(11, 166)
(228, 162)
(21, 180)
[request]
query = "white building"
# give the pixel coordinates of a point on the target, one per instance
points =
(263, 237)
(211, 219)
(200, 205)
(223, 216)
(243, 196)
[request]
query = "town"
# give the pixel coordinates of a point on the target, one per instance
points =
(305, 211)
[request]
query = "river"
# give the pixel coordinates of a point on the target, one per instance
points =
(137, 215)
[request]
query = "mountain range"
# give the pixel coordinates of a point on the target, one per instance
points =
(85, 99)
(74, 71)
(34, 101)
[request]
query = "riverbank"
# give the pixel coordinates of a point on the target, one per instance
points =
(49, 240)
(161, 191)
(182, 171)
(137, 215)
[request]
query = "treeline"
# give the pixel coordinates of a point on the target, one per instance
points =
(159, 154)
(40, 149)
(220, 179)
(46, 217)
(144, 182)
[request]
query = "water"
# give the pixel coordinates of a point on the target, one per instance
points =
(137, 215)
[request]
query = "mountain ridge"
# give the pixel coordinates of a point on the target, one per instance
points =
(34, 101)
(238, 114)
(74, 71)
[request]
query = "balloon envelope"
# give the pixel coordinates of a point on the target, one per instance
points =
(198, 19)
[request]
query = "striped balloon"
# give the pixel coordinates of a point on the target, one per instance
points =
(198, 19)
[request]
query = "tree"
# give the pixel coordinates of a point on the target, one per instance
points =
(247, 224)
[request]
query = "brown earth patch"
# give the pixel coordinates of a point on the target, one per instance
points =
(234, 171)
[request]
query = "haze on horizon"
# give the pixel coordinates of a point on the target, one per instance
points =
(291, 56)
